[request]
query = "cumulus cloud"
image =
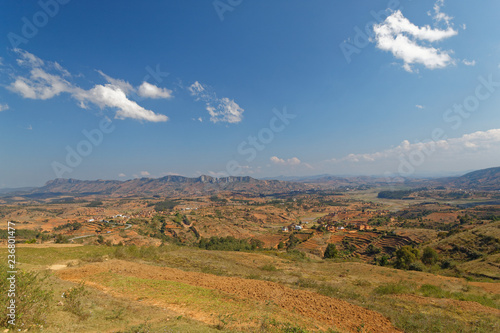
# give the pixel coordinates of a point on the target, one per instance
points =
(479, 141)
(411, 43)
(122, 175)
(290, 161)
(418, 106)
(219, 109)
(40, 84)
(149, 90)
(3, 107)
(145, 173)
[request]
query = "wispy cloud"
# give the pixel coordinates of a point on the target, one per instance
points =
(411, 43)
(40, 84)
(469, 63)
(220, 109)
(3, 107)
(418, 106)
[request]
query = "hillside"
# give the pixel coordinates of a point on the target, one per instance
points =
(482, 180)
(169, 185)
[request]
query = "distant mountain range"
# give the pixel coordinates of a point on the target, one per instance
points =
(167, 186)
(483, 180)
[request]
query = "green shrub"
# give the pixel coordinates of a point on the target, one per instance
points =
(74, 298)
(269, 268)
(331, 251)
(429, 256)
(32, 299)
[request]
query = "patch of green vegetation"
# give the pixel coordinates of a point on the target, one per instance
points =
(165, 205)
(229, 244)
(395, 288)
(96, 203)
(31, 298)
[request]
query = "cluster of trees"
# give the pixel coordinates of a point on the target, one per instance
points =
(215, 198)
(164, 205)
(27, 234)
(70, 225)
(230, 243)
(401, 194)
(96, 203)
(407, 257)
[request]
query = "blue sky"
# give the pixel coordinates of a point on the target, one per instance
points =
(259, 88)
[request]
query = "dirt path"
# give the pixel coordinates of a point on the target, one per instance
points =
(325, 309)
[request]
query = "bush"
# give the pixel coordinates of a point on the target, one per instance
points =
(416, 266)
(269, 268)
(429, 256)
(405, 256)
(229, 244)
(372, 249)
(447, 263)
(383, 261)
(74, 297)
(331, 251)
(60, 239)
(32, 299)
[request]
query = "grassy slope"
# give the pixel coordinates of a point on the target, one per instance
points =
(354, 282)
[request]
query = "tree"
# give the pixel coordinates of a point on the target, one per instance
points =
(372, 249)
(330, 252)
(429, 256)
(405, 256)
(383, 261)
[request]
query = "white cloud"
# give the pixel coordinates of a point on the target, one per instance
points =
(420, 106)
(220, 109)
(469, 63)
(151, 91)
(169, 173)
(145, 173)
(113, 97)
(440, 16)
(446, 148)
(40, 84)
(4, 107)
(196, 88)
(28, 59)
(410, 43)
(122, 175)
(123, 85)
(290, 161)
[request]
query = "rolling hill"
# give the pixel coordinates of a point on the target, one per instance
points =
(483, 180)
